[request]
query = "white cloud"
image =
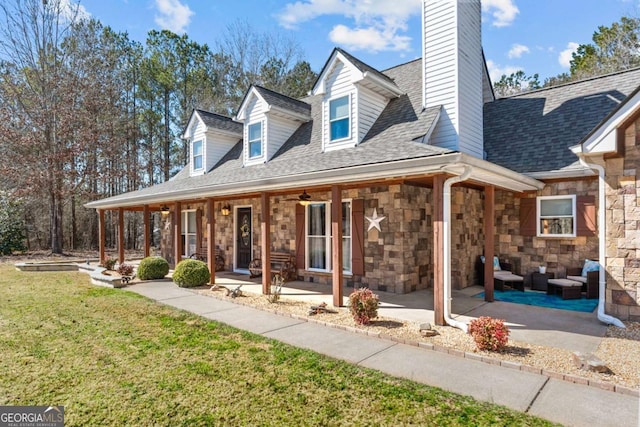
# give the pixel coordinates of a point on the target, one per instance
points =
(503, 12)
(174, 16)
(565, 56)
(517, 50)
(370, 39)
(72, 11)
(496, 71)
(376, 25)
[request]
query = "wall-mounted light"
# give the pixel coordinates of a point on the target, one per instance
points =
(164, 211)
(226, 210)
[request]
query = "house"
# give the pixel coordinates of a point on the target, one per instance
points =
(400, 179)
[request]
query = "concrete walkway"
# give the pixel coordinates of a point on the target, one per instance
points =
(555, 400)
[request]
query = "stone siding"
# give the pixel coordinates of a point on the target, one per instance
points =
(623, 229)
(398, 259)
(527, 253)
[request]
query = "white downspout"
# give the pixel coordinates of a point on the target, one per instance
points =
(446, 240)
(602, 235)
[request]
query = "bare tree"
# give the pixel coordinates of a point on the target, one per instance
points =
(32, 74)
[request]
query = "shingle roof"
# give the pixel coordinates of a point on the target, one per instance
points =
(390, 139)
(283, 101)
(218, 121)
(532, 132)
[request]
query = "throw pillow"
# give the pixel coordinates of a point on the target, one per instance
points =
(496, 263)
(590, 265)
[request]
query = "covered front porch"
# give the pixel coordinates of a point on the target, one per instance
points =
(383, 229)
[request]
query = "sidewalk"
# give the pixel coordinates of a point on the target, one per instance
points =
(555, 400)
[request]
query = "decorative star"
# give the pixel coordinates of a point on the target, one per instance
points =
(374, 220)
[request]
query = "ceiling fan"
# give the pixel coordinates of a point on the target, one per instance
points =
(304, 199)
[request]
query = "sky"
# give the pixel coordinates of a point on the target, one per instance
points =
(535, 36)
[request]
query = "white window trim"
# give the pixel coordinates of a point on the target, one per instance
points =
(184, 224)
(328, 237)
(193, 155)
(329, 121)
(575, 215)
(249, 141)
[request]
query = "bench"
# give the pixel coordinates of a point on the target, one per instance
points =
(203, 255)
(283, 263)
(568, 289)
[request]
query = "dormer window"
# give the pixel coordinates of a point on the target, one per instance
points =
(197, 154)
(255, 140)
(339, 120)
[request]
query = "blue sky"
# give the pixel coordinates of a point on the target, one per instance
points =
(534, 36)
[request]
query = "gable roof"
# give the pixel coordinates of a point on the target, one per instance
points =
(532, 132)
(290, 106)
(214, 121)
(391, 147)
(369, 76)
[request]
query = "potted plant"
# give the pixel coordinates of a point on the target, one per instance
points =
(542, 268)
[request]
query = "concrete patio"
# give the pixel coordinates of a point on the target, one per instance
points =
(570, 330)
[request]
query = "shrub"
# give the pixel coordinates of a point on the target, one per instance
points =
(154, 267)
(12, 225)
(191, 273)
(125, 269)
(109, 263)
(489, 333)
(363, 305)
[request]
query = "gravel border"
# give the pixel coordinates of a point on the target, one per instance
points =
(546, 361)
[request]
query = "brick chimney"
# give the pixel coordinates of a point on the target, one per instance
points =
(453, 72)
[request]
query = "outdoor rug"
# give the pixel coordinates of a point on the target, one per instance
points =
(541, 299)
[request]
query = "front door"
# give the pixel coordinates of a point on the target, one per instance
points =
(243, 238)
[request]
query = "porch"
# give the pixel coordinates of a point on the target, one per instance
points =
(570, 330)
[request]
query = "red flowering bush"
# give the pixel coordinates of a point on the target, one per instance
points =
(363, 305)
(125, 269)
(489, 333)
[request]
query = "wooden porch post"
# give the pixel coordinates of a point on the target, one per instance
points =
(336, 252)
(177, 234)
(101, 235)
(265, 230)
(211, 237)
(438, 250)
(120, 235)
(147, 231)
(489, 233)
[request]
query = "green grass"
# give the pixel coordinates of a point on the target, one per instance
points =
(114, 358)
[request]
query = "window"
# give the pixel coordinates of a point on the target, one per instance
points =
(255, 140)
(189, 233)
(319, 236)
(196, 152)
(556, 216)
(339, 118)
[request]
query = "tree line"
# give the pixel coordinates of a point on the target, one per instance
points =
(86, 112)
(614, 48)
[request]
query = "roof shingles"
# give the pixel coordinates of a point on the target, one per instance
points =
(533, 132)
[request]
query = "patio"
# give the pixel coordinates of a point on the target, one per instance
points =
(570, 330)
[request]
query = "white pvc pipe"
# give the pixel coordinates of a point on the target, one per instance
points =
(602, 235)
(446, 240)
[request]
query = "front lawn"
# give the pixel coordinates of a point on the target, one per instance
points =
(114, 358)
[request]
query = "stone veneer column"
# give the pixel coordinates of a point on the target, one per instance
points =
(623, 229)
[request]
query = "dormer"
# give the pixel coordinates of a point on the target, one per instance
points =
(269, 119)
(353, 96)
(210, 137)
